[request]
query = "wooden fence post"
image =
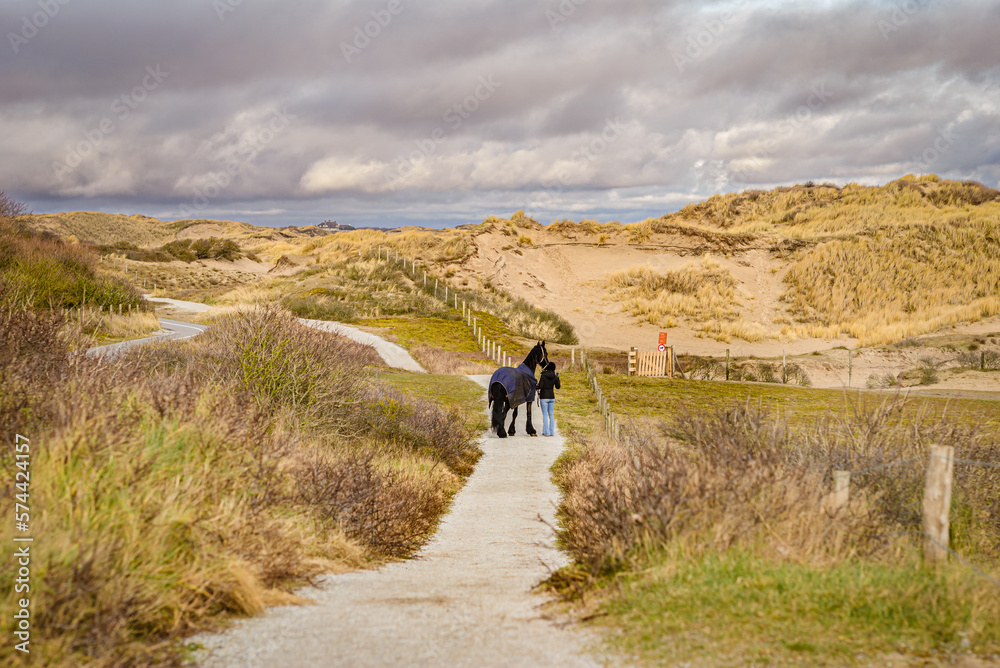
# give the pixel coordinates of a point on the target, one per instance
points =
(727, 363)
(572, 357)
(841, 490)
(632, 353)
(937, 503)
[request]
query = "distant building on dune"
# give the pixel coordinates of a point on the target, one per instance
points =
(334, 226)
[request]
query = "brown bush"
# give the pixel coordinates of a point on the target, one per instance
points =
(384, 510)
(742, 476)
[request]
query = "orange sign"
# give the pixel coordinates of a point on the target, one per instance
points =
(663, 338)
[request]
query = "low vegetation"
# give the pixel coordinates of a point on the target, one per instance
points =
(922, 277)
(703, 292)
(48, 272)
(220, 473)
(707, 534)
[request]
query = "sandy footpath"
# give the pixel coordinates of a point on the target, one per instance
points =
(394, 355)
(466, 599)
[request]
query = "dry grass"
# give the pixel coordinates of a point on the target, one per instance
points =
(183, 482)
(702, 292)
(101, 327)
(922, 277)
(714, 533)
(439, 361)
(701, 476)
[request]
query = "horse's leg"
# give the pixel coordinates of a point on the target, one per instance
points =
(527, 426)
(499, 413)
(513, 421)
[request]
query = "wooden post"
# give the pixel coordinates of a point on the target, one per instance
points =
(435, 288)
(572, 357)
(982, 360)
(937, 503)
(784, 372)
(727, 363)
(670, 362)
(850, 367)
(632, 361)
(841, 490)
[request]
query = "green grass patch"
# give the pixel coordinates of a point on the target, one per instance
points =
(451, 335)
(659, 398)
(451, 392)
(739, 609)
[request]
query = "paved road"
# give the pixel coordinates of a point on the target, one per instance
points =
(395, 356)
(173, 330)
(466, 600)
(194, 307)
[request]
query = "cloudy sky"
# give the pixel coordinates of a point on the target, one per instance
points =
(441, 112)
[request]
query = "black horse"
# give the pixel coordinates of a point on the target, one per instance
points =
(510, 387)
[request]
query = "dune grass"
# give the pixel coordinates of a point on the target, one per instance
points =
(704, 537)
(184, 483)
(922, 277)
(876, 263)
(702, 292)
(47, 272)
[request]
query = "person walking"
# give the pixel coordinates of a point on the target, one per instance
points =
(547, 385)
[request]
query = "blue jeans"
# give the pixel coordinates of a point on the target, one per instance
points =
(548, 421)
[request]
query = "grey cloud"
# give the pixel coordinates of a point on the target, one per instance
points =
(743, 108)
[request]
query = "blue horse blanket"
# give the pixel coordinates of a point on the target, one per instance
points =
(519, 383)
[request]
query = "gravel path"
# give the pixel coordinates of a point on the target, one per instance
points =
(194, 307)
(395, 356)
(173, 330)
(464, 601)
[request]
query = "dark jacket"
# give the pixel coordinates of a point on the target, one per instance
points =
(547, 384)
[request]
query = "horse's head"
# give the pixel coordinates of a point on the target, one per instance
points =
(538, 355)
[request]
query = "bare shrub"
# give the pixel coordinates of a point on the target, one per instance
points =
(742, 476)
(388, 414)
(383, 509)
